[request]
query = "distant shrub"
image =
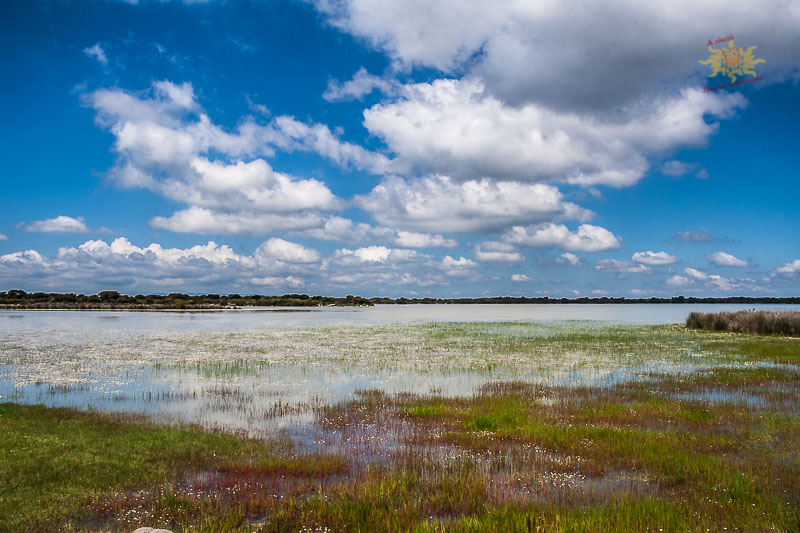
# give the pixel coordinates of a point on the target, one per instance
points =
(786, 323)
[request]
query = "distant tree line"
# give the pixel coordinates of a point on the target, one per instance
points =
(584, 300)
(19, 299)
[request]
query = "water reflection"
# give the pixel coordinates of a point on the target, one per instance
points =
(283, 317)
(265, 371)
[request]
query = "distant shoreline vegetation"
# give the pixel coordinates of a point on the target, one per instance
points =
(19, 299)
(785, 323)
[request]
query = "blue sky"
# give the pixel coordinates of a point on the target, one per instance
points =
(401, 148)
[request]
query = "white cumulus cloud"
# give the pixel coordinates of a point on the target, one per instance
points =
(368, 254)
(695, 274)
(98, 264)
(722, 283)
(286, 251)
(461, 267)
(122, 247)
(568, 258)
(461, 262)
(654, 258)
(587, 238)
(789, 268)
(726, 259)
(452, 127)
(27, 257)
(438, 203)
(59, 224)
(252, 186)
(678, 281)
(165, 142)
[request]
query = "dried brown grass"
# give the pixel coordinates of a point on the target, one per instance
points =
(785, 323)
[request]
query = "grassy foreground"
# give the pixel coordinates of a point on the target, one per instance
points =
(54, 462)
(714, 449)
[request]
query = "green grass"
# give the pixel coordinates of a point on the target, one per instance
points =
(425, 411)
(53, 462)
(629, 514)
(742, 347)
(493, 414)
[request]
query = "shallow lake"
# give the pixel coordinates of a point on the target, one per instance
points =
(262, 369)
(282, 317)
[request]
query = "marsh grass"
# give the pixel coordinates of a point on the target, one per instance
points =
(785, 323)
(689, 431)
(745, 348)
(53, 462)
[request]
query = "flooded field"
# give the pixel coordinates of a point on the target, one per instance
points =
(460, 411)
(262, 370)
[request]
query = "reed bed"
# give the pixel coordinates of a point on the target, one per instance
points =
(785, 323)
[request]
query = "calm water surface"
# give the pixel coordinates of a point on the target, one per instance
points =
(240, 369)
(276, 317)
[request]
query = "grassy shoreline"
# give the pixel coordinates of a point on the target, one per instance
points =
(701, 450)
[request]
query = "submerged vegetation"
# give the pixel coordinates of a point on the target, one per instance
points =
(785, 323)
(562, 427)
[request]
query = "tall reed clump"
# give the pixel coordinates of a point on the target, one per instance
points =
(786, 323)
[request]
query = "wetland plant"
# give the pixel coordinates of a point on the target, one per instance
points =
(785, 323)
